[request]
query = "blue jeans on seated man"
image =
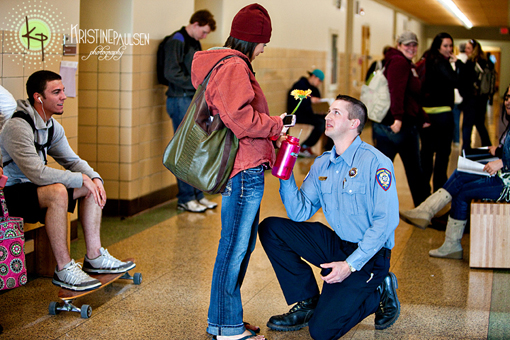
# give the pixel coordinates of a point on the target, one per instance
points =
(239, 224)
(465, 187)
(176, 108)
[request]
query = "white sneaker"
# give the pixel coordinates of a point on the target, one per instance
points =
(74, 278)
(208, 204)
(106, 264)
(192, 206)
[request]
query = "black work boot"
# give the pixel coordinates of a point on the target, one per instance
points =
(296, 318)
(389, 307)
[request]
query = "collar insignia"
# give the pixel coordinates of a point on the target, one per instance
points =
(353, 172)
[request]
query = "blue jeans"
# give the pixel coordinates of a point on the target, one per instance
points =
(464, 187)
(239, 224)
(176, 108)
(407, 144)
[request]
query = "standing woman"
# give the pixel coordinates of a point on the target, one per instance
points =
(461, 188)
(397, 132)
(438, 90)
(474, 103)
(234, 94)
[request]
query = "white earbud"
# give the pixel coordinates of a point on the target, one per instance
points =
(40, 100)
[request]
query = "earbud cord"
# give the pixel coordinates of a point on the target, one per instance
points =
(42, 106)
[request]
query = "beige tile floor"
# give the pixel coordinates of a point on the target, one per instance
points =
(441, 299)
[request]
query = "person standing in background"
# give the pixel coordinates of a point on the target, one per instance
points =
(458, 98)
(474, 103)
(398, 131)
(179, 51)
(438, 100)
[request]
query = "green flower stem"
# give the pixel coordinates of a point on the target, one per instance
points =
(300, 100)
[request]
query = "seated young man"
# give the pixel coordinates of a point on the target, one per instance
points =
(37, 192)
(355, 186)
(305, 113)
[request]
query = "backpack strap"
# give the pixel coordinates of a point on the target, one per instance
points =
(38, 147)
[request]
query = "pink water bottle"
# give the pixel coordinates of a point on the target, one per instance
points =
(286, 158)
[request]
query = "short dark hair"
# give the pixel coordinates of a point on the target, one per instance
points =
(358, 110)
(242, 46)
(203, 17)
(37, 81)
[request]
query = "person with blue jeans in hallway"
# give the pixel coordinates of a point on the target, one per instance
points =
(354, 184)
(179, 51)
(460, 189)
(234, 94)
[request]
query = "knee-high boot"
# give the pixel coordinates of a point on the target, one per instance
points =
(451, 248)
(422, 215)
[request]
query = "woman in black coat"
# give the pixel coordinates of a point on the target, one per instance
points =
(438, 100)
(474, 103)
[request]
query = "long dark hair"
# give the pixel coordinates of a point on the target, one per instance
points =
(242, 46)
(433, 52)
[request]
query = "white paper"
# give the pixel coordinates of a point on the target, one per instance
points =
(472, 167)
(68, 73)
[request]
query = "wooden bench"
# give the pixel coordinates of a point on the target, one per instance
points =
(489, 235)
(39, 255)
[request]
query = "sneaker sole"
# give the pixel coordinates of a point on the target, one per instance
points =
(286, 328)
(108, 271)
(78, 289)
(193, 211)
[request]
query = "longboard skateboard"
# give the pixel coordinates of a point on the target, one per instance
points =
(68, 296)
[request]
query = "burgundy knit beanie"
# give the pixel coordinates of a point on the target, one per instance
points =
(252, 24)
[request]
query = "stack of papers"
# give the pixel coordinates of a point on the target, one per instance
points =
(472, 167)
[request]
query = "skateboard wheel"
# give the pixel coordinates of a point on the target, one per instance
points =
(137, 278)
(86, 311)
(53, 308)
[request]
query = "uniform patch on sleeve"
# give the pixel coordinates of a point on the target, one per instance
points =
(383, 178)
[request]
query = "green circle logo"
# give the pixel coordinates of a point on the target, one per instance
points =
(35, 34)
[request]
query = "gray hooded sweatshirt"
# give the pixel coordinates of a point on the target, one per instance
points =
(17, 143)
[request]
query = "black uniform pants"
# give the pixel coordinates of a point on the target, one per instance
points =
(341, 305)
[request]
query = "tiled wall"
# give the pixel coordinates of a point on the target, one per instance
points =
(15, 68)
(123, 125)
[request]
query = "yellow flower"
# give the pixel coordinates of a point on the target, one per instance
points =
(301, 94)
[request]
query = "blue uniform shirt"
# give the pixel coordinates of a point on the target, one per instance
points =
(357, 193)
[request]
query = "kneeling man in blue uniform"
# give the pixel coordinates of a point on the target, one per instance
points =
(354, 184)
